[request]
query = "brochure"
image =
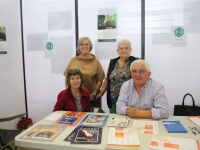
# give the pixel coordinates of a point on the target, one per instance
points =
(85, 135)
(146, 126)
(69, 119)
(94, 120)
(123, 137)
(173, 143)
(174, 126)
(195, 119)
(119, 122)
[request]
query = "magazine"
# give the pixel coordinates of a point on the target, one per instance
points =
(95, 120)
(118, 122)
(69, 119)
(85, 135)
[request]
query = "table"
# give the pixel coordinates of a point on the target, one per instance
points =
(145, 139)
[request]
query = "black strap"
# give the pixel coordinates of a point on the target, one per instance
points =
(192, 100)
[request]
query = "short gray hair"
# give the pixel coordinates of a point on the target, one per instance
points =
(141, 61)
(81, 40)
(124, 41)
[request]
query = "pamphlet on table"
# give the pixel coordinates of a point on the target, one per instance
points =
(146, 126)
(195, 119)
(173, 143)
(123, 137)
(118, 122)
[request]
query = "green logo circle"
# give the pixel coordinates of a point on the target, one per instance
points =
(49, 45)
(179, 32)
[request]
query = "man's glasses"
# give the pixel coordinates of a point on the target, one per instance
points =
(124, 49)
(86, 45)
(140, 72)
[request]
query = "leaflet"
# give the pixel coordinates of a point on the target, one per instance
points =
(173, 143)
(123, 137)
(146, 126)
(195, 119)
(119, 122)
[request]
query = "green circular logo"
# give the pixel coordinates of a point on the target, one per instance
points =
(179, 32)
(49, 45)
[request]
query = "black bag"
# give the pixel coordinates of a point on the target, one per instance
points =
(186, 110)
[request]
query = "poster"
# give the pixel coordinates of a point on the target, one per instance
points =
(107, 27)
(3, 46)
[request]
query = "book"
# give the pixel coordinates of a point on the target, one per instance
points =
(173, 143)
(195, 119)
(174, 126)
(70, 118)
(118, 122)
(94, 120)
(85, 135)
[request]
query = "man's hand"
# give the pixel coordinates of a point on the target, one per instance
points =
(138, 113)
(132, 112)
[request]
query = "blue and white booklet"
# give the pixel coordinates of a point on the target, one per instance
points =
(174, 126)
(94, 120)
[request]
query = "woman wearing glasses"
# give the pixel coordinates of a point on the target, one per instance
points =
(89, 65)
(74, 98)
(118, 72)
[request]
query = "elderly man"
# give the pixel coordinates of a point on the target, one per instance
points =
(141, 96)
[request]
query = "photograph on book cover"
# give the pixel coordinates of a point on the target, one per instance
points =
(95, 120)
(47, 133)
(88, 135)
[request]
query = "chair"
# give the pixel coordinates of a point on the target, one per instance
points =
(7, 136)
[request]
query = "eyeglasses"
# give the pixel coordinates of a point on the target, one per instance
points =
(140, 72)
(86, 45)
(123, 49)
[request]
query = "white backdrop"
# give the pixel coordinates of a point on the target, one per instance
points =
(12, 98)
(175, 67)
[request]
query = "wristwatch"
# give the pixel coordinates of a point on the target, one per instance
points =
(94, 93)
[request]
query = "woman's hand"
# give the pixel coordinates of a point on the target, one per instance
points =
(92, 97)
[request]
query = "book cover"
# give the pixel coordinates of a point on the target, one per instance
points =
(85, 135)
(174, 126)
(70, 118)
(118, 122)
(94, 120)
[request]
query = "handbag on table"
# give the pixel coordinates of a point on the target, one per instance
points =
(187, 110)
